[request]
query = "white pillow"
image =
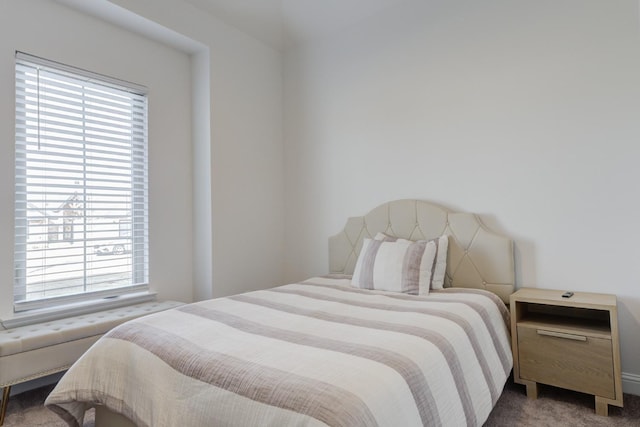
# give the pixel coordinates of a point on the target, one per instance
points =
(396, 266)
(442, 244)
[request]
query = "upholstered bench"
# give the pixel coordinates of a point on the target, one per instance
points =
(38, 350)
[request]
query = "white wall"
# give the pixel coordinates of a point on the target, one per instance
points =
(47, 29)
(245, 168)
(215, 118)
(524, 112)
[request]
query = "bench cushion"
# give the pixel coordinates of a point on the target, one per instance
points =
(33, 351)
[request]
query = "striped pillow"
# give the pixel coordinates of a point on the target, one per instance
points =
(396, 266)
(442, 244)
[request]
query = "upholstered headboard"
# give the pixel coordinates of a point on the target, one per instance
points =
(477, 257)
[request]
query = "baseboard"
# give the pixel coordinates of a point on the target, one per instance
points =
(631, 383)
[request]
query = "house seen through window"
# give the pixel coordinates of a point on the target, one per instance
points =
(81, 185)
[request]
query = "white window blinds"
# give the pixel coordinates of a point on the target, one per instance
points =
(81, 185)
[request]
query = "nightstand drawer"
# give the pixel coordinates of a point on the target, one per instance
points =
(568, 360)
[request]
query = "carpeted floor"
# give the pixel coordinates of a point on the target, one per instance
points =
(554, 407)
(558, 407)
(26, 409)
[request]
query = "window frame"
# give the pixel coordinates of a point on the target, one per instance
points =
(138, 217)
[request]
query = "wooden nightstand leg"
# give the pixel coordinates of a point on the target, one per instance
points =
(532, 389)
(602, 408)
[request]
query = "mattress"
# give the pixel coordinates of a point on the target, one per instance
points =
(314, 353)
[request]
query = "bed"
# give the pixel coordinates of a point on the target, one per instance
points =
(353, 348)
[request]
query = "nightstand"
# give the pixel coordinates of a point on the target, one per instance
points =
(571, 343)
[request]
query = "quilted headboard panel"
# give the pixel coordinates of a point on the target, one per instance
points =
(477, 257)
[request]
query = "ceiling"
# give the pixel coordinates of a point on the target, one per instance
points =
(282, 22)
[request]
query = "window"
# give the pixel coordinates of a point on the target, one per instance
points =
(81, 185)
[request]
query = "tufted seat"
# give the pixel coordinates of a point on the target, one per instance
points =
(38, 350)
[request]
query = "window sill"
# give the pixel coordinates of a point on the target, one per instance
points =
(76, 309)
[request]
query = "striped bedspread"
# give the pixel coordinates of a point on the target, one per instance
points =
(315, 353)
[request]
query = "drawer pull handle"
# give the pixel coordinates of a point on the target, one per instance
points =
(561, 335)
